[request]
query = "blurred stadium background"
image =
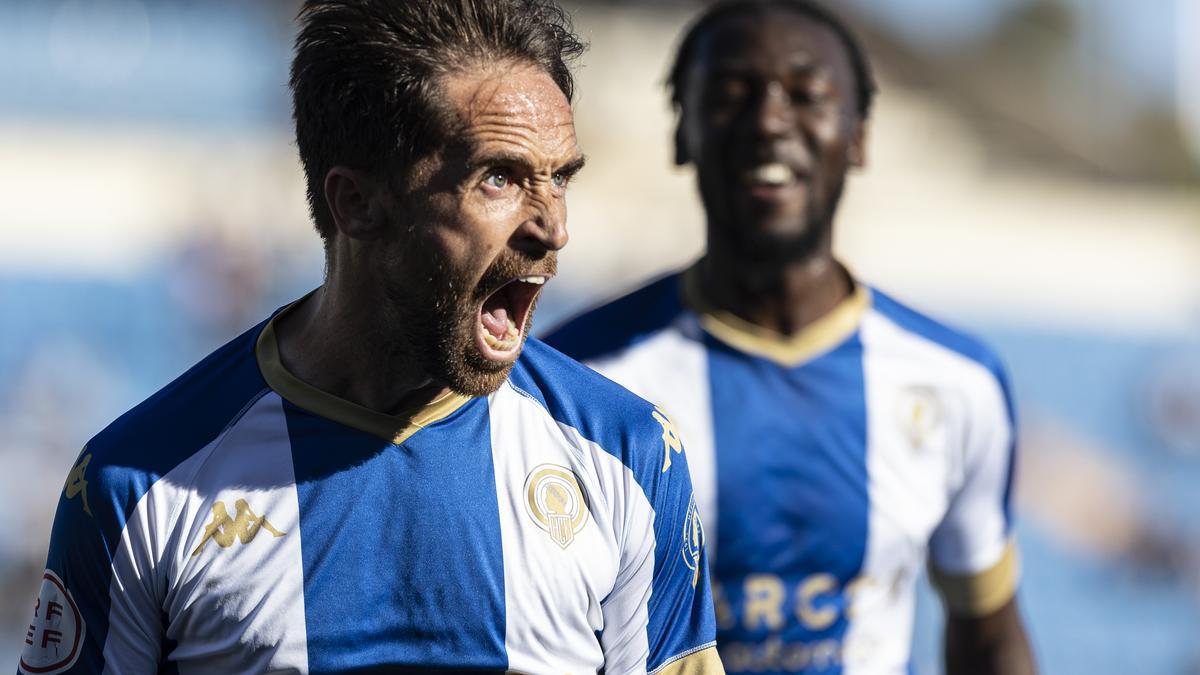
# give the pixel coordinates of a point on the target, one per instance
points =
(1032, 175)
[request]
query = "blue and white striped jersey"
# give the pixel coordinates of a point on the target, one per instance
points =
(242, 521)
(830, 467)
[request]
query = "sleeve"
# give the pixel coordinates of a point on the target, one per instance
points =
(659, 616)
(973, 555)
(94, 611)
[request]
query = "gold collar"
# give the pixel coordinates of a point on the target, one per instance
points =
(813, 340)
(393, 428)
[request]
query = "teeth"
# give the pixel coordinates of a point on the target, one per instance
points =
(511, 337)
(534, 279)
(773, 173)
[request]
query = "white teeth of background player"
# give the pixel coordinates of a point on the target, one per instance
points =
(774, 173)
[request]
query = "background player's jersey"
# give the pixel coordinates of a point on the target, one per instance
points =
(242, 521)
(829, 466)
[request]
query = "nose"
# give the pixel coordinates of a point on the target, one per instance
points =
(545, 230)
(772, 113)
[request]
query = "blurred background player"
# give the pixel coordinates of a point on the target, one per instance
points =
(463, 503)
(839, 440)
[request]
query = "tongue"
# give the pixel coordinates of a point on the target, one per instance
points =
(496, 321)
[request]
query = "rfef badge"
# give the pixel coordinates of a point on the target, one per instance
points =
(55, 634)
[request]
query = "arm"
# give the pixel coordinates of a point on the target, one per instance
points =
(993, 644)
(659, 616)
(93, 611)
(973, 555)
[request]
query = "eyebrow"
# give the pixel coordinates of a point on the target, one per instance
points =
(735, 68)
(572, 167)
(513, 159)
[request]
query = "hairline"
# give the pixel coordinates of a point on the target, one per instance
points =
(856, 58)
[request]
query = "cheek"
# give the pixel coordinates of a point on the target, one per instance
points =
(831, 132)
(482, 229)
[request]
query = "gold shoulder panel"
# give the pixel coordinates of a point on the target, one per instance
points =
(787, 350)
(393, 428)
(983, 593)
(703, 662)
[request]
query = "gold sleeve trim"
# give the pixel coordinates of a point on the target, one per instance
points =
(394, 428)
(983, 593)
(787, 350)
(703, 662)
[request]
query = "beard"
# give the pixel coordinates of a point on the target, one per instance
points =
(437, 320)
(773, 248)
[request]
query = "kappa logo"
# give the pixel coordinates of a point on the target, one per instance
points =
(53, 638)
(670, 437)
(918, 414)
(224, 529)
(556, 502)
(76, 484)
(693, 540)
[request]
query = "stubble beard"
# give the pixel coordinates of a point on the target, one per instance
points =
(774, 250)
(438, 321)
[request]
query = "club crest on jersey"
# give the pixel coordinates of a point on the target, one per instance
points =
(55, 634)
(556, 502)
(224, 529)
(919, 414)
(693, 540)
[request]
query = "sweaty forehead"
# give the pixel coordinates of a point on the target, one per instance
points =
(771, 41)
(518, 104)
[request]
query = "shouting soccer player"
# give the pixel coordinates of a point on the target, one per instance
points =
(384, 476)
(839, 440)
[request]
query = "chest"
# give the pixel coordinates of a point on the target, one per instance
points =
(797, 466)
(446, 551)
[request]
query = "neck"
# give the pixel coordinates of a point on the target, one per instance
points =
(338, 340)
(783, 297)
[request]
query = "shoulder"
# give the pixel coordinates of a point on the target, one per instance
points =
(934, 332)
(602, 412)
(160, 433)
(961, 360)
(622, 322)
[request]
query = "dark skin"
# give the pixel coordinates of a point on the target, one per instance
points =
(757, 93)
(769, 117)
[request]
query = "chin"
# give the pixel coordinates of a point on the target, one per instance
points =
(478, 379)
(470, 370)
(770, 246)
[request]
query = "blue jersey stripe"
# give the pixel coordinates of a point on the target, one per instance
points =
(622, 323)
(399, 543)
(792, 504)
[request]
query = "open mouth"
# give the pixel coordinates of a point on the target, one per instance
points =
(773, 180)
(504, 315)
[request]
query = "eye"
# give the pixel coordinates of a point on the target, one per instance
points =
(807, 96)
(560, 179)
(727, 89)
(497, 178)
(812, 90)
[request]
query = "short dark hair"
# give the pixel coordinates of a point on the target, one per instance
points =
(365, 75)
(864, 78)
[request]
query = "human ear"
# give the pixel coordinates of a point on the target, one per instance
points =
(857, 152)
(353, 199)
(682, 158)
